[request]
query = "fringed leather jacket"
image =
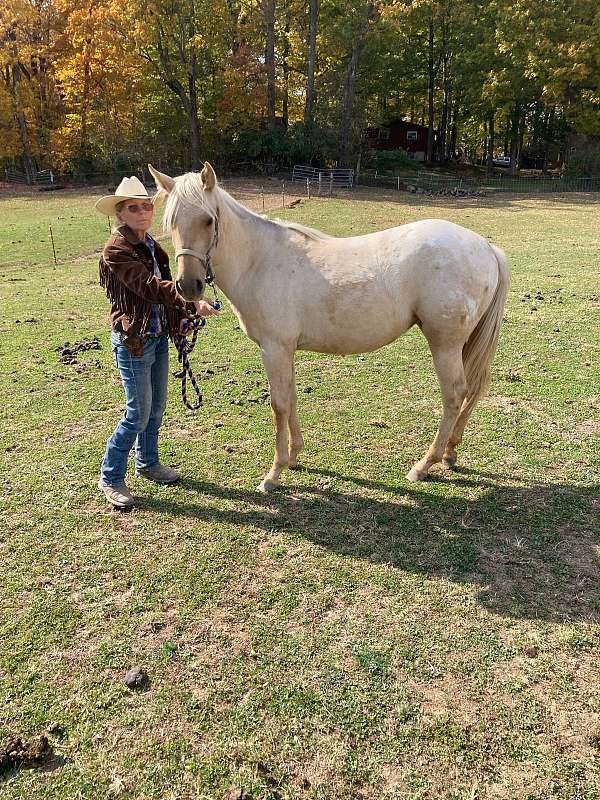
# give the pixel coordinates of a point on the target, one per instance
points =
(127, 275)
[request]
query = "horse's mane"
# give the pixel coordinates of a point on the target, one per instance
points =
(188, 191)
(310, 233)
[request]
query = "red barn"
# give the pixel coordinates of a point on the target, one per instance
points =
(400, 134)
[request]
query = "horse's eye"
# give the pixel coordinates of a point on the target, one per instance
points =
(209, 222)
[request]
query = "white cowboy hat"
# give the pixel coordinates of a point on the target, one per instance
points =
(129, 189)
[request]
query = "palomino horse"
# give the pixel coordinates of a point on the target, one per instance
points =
(295, 288)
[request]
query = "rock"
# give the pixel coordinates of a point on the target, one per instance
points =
(137, 678)
(532, 652)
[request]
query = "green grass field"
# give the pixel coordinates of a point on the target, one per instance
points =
(351, 636)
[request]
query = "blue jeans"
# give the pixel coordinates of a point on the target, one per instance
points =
(145, 382)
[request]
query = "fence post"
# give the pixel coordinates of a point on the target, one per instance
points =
(330, 183)
(283, 193)
(308, 188)
(53, 248)
(262, 197)
(398, 182)
(320, 182)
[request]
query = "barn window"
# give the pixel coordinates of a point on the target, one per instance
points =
(411, 136)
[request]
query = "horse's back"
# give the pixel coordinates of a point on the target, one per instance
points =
(356, 294)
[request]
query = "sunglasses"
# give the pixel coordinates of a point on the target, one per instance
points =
(137, 208)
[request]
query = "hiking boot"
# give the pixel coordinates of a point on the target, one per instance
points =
(158, 473)
(118, 495)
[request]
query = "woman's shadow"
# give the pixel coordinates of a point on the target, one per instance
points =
(533, 550)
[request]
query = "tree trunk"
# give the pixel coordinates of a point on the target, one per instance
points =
(188, 60)
(21, 120)
(269, 14)
(447, 84)
(514, 140)
(193, 115)
(310, 67)
(350, 86)
(548, 138)
(286, 71)
(442, 148)
(453, 130)
(486, 142)
(430, 92)
(490, 155)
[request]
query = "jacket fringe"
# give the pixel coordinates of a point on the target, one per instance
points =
(136, 308)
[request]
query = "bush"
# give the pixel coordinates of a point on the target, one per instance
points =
(388, 160)
(585, 164)
(269, 150)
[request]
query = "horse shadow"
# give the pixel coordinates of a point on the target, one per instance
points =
(532, 550)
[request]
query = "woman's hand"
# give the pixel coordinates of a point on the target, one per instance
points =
(204, 308)
(185, 327)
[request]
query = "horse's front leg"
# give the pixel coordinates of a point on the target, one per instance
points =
(296, 440)
(279, 366)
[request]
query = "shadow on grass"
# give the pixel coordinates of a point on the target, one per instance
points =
(532, 549)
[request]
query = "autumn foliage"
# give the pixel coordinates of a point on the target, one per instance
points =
(103, 85)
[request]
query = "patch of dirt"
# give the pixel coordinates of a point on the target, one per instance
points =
(393, 780)
(445, 697)
(500, 403)
(588, 427)
(524, 781)
(78, 429)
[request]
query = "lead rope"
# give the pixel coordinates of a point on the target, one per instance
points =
(184, 348)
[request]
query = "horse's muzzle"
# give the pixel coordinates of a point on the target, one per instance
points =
(192, 289)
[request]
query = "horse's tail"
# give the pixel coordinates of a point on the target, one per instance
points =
(479, 349)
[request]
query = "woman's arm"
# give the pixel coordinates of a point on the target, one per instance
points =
(130, 271)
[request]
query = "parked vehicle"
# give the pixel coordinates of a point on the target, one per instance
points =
(501, 161)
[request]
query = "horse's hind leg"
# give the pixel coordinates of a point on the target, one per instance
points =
(449, 367)
(449, 457)
(278, 363)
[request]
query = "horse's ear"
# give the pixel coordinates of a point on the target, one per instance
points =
(208, 177)
(163, 181)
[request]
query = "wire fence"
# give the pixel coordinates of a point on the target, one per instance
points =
(434, 182)
(64, 234)
(329, 180)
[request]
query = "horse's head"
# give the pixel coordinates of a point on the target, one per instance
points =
(192, 217)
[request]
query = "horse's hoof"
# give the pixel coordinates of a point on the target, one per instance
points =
(449, 463)
(295, 465)
(416, 475)
(266, 486)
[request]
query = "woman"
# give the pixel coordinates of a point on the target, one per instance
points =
(146, 309)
